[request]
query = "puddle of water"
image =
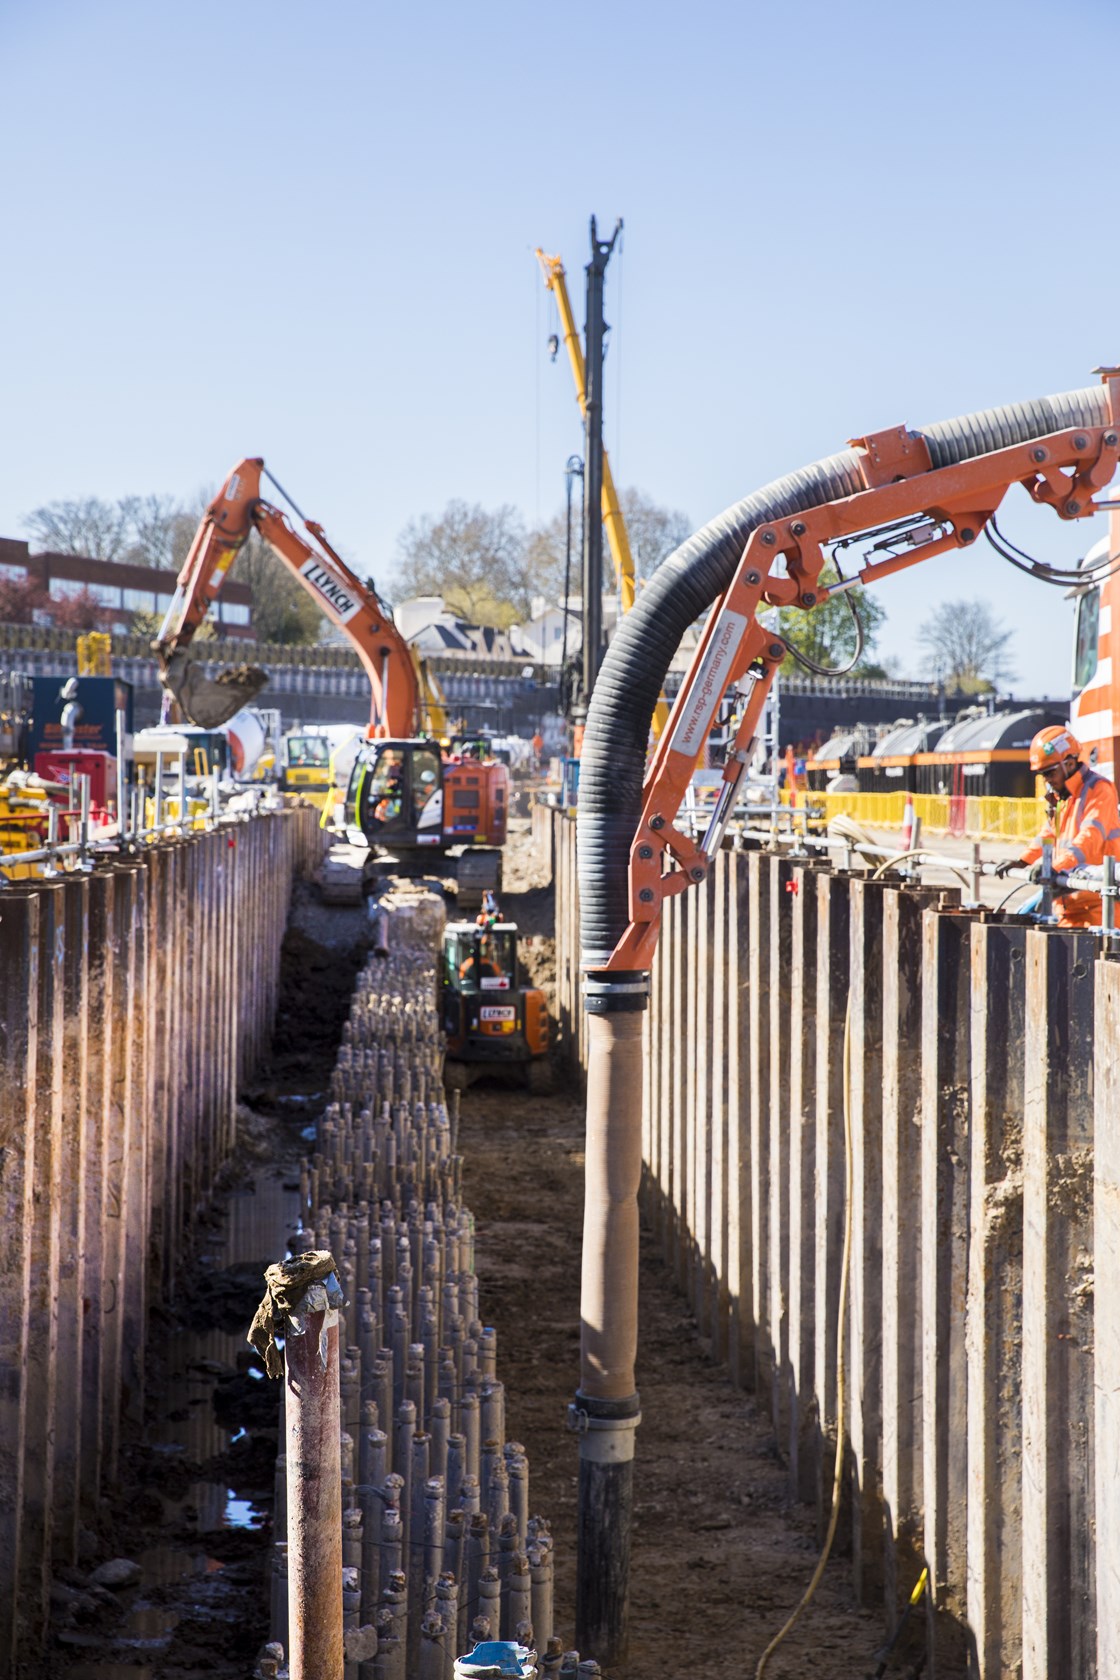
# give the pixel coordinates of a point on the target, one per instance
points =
(241, 1513)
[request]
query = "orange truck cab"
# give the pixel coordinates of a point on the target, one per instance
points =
(490, 1019)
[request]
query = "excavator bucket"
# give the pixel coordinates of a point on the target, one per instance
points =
(210, 701)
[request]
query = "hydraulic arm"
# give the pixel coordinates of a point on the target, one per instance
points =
(907, 511)
(352, 606)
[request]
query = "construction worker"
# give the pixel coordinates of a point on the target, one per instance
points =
(1088, 828)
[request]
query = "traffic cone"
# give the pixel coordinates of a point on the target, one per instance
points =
(908, 824)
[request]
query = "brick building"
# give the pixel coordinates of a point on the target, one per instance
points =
(120, 588)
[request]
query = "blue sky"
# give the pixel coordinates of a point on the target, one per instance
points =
(307, 232)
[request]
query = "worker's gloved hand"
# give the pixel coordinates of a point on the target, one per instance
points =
(1006, 865)
(1058, 882)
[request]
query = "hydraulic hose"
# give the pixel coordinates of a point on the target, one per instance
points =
(684, 586)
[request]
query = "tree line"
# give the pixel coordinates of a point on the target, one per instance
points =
(489, 566)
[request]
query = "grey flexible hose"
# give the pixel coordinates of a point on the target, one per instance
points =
(681, 589)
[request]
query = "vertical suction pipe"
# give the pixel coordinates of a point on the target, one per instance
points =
(610, 803)
(606, 1411)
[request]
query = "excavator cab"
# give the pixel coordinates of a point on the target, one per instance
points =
(491, 1021)
(396, 794)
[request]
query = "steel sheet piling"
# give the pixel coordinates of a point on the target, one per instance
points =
(901, 1224)
(946, 1069)
(19, 1025)
(864, 1420)
(40, 1373)
(802, 1172)
(73, 1187)
(1059, 1596)
(994, 1323)
(1106, 1341)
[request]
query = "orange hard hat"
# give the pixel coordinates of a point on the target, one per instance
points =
(1051, 746)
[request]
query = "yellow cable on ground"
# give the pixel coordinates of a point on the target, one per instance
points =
(841, 1316)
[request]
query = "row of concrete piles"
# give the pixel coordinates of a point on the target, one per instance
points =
(982, 1334)
(439, 1549)
(125, 1026)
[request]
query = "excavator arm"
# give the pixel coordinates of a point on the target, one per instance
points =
(352, 606)
(907, 512)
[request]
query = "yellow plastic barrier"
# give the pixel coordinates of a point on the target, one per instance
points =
(983, 818)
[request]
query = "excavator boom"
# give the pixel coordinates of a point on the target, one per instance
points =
(350, 605)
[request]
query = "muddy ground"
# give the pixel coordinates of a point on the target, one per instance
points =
(719, 1555)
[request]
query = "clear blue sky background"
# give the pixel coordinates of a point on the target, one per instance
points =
(306, 231)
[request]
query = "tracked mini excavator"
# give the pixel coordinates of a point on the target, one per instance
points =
(493, 1022)
(414, 809)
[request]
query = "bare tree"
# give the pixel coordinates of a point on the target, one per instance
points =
(90, 527)
(653, 532)
(161, 531)
(966, 645)
(474, 557)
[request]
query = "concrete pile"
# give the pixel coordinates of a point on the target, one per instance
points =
(439, 1547)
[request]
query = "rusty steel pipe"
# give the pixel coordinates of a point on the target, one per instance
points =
(314, 1485)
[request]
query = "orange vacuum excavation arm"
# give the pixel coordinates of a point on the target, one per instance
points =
(352, 606)
(908, 512)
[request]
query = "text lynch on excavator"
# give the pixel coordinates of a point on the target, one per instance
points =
(406, 797)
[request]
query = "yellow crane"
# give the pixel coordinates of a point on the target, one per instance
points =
(613, 522)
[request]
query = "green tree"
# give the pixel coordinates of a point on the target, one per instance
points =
(827, 633)
(474, 557)
(653, 532)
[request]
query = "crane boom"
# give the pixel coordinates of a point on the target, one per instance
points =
(613, 522)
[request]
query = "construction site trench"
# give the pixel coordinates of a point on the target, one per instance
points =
(720, 1554)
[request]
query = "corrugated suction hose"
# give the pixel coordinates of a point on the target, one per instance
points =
(684, 585)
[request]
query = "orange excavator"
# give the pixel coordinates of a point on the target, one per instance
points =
(406, 796)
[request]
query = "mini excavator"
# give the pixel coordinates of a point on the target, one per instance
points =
(406, 799)
(493, 1022)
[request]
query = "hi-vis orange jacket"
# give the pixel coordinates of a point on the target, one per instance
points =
(1088, 832)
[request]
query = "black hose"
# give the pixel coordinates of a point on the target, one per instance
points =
(683, 587)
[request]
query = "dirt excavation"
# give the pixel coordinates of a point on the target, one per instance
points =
(720, 1557)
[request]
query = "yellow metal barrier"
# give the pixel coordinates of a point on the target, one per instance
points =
(983, 819)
